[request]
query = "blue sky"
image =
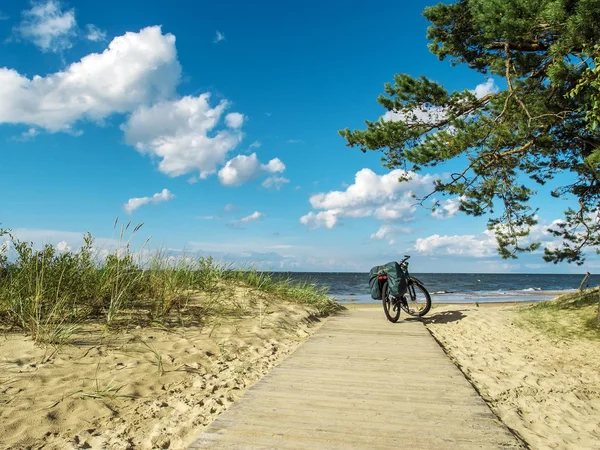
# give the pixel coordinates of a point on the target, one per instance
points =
(215, 124)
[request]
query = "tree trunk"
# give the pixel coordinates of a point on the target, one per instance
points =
(598, 316)
(587, 275)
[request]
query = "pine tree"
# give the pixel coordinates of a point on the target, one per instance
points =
(545, 122)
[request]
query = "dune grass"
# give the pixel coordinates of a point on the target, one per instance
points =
(570, 316)
(48, 293)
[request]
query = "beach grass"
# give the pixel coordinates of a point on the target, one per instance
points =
(49, 293)
(569, 316)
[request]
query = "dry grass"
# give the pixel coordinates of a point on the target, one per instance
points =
(570, 316)
(50, 294)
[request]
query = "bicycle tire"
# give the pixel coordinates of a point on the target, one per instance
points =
(388, 304)
(418, 285)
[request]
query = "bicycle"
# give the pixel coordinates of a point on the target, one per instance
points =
(411, 302)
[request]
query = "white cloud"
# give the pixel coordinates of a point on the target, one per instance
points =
(483, 244)
(48, 26)
(219, 37)
(136, 68)
(63, 246)
(436, 113)
(478, 246)
(371, 195)
(448, 208)
(295, 141)
(326, 219)
(134, 203)
(483, 89)
(419, 115)
(252, 217)
(242, 169)
(182, 134)
(73, 240)
(255, 144)
(275, 182)
(229, 207)
(389, 232)
(234, 120)
(27, 135)
(274, 166)
(94, 33)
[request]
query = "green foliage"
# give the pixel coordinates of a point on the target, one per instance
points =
(543, 123)
(47, 292)
(299, 292)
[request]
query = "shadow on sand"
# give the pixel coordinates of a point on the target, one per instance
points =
(445, 317)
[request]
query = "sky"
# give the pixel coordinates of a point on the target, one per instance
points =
(215, 124)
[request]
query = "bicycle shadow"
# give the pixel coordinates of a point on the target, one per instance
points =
(445, 317)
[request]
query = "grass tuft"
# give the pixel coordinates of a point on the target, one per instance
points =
(570, 316)
(48, 293)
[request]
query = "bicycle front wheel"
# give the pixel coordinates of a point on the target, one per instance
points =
(418, 300)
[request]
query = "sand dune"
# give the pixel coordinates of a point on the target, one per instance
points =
(545, 389)
(141, 388)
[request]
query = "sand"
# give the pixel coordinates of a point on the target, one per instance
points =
(546, 389)
(144, 387)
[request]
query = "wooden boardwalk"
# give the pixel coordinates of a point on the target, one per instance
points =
(361, 383)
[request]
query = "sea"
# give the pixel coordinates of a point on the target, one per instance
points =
(455, 287)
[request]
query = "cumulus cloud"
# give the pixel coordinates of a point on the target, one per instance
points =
(48, 26)
(448, 208)
(478, 246)
(94, 34)
(134, 203)
(389, 232)
(322, 219)
(371, 195)
(234, 120)
(483, 89)
(182, 134)
(242, 169)
(136, 68)
(483, 244)
(252, 217)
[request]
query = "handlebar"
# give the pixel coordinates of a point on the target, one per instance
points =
(406, 258)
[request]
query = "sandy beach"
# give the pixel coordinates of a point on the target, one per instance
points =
(142, 388)
(545, 387)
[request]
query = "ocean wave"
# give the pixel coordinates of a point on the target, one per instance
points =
(531, 289)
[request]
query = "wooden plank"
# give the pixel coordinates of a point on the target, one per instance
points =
(361, 382)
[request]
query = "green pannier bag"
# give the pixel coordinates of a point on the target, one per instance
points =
(374, 285)
(395, 279)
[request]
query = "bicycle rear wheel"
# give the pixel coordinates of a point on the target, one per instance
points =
(417, 300)
(391, 306)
